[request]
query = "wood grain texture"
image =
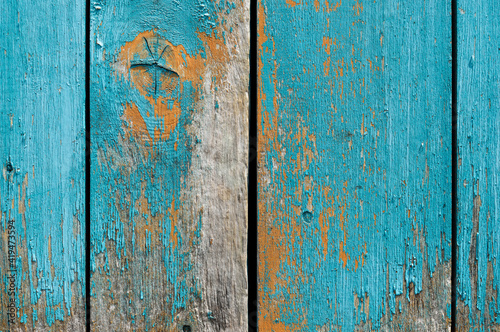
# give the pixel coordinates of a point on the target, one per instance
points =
(354, 165)
(42, 165)
(169, 119)
(478, 97)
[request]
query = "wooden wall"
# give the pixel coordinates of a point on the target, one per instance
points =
(377, 164)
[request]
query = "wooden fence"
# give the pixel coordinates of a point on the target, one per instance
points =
(234, 165)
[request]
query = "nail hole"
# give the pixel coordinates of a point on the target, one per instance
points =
(9, 167)
(307, 216)
(186, 328)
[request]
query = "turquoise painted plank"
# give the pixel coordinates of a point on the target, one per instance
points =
(42, 165)
(354, 165)
(478, 97)
(169, 137)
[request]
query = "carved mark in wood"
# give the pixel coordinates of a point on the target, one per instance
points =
(151, 67)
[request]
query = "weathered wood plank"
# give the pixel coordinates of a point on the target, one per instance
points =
(478, 128)
(42, 156)
(354, 165)
(169, 119)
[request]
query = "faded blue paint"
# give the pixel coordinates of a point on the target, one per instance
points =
(128, 171)
(372, 135)
(42, 135)
(478, 272)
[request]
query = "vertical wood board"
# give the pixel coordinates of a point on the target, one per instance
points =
(169, 120)
(354, 165)
(42, 165)
(478, 271)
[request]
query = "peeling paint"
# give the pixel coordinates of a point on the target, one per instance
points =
(158, 68)
(42, 161)
(351, 100)
(478, 272)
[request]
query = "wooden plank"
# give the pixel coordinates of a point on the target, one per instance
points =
(42, 163)
(478, 100)
(169, 119)
(354, 165)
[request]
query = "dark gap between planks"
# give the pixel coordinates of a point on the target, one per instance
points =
(252, 174)
(454, 165)
(252, 254)
(87, 165)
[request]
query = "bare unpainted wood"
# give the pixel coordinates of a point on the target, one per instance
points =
(169, 104)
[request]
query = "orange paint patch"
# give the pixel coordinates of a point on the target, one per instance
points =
(274, 246)
(339, 212)
(157, 69)
(343, 218)
(292, 3)
(324, 224)
(22, 196)
(326, 66)
(342, 254)
(363, 128)
(173, 223)
(327, 44)
(330, 8)
(135, 121)
(358, 7)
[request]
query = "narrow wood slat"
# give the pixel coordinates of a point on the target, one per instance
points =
(169, 133)
(478, 97)
(42, 165)
(354, 165)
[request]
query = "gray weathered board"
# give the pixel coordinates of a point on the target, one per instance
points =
(169, 133)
